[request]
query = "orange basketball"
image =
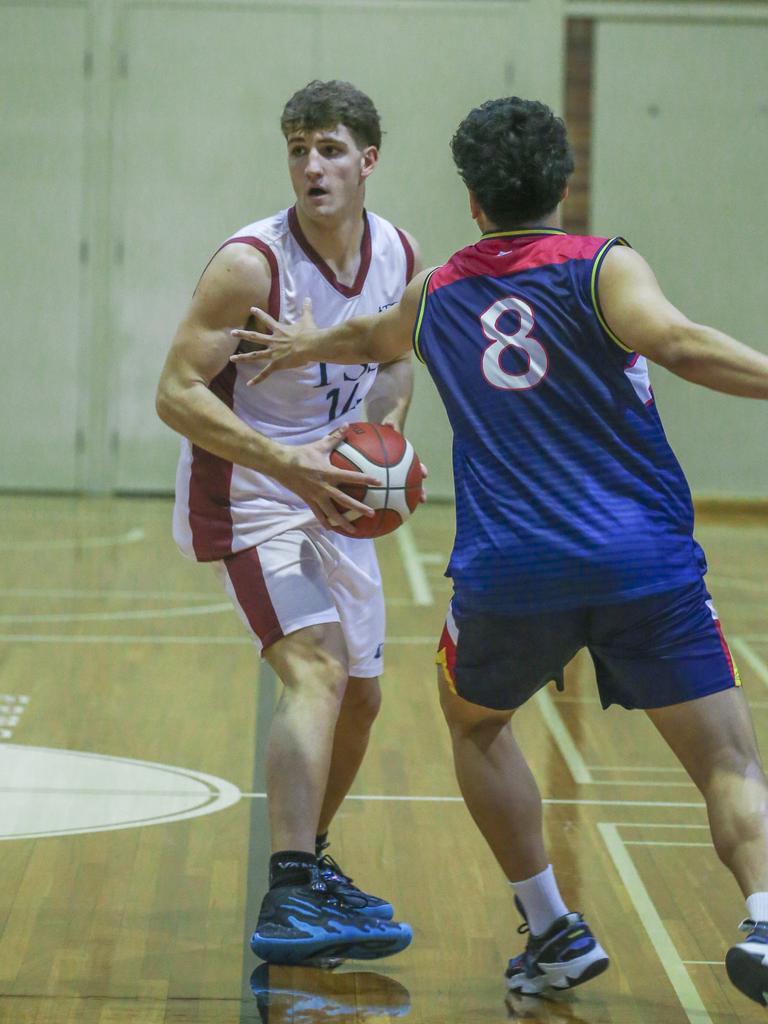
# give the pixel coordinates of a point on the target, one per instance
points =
(380, 451)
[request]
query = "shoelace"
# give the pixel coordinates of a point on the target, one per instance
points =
(327, 863)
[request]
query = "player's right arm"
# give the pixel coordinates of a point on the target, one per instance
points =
(640, 315)
(201, 349)
(380, 338)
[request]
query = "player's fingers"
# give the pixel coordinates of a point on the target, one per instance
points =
(268, 370)
(306, 313)
(337, 477)
(266, 322)
(329, 442)
(331, 518)
(342, 498)
(424, 471)
(265, 352)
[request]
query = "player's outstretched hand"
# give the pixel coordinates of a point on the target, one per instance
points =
(280, 346)
(309, 473)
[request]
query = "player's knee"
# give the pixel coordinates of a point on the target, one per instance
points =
(362, 701)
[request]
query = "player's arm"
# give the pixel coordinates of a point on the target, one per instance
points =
(639, 314)
(389, 399)
(367, 339)
(201, 350)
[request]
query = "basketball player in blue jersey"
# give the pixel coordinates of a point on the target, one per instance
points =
(573, 518)
(255, 494)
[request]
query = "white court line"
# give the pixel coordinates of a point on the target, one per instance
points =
(144, 638)
(652, 824)
(460, 799)
(571, 755)
(755, 662)
(129, 595)
(414, 569)
(654, 926)
(659, 842)
(710, 963)
(67, 543)
(639, 782)
(137, 595)
(631, 768)
(142, 613)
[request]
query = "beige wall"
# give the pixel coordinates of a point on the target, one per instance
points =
(145, 134)
(680, 151)
(137, 136)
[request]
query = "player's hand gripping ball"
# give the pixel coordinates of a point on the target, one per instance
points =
(379, 450)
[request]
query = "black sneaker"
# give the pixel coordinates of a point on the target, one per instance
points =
(567, 954)
(306, 996)
(363, 902)
(747, 961)
(312, 923)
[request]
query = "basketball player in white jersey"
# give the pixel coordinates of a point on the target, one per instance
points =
(255, 494)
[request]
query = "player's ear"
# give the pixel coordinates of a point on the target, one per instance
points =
(368, 160)
(474, 206)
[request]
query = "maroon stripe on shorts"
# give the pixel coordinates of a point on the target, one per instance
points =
(247, 578)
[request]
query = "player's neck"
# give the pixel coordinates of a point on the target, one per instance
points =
(552, 220)
(337, 240)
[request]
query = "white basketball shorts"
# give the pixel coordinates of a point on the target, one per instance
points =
(306, 577)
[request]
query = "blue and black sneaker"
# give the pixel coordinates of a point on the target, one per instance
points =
(362, 902)
(313, 923)
(747, 961)
(567, 954)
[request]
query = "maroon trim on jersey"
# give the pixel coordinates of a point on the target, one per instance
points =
(365, 256)
(497, 257)
(273, 304)
(247, 576)
(210, 517)
(409, 257)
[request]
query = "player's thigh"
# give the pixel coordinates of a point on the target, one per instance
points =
(709, 733)
(355, 585)
(498, 661)
(279, 587)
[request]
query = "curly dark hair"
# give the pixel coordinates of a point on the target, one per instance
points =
(326, 104)
(514, 155)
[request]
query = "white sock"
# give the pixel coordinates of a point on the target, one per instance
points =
(757, 906)
(541, 900)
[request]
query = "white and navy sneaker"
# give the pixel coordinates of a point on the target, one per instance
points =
(311, 924)
(567, 954)
(747, 961)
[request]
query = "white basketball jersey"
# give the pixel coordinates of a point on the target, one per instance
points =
(222, 508)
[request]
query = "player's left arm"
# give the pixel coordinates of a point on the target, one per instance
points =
(382, 338)
(389, 399)
(641, 316)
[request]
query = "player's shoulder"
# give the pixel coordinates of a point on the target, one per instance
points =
(389, 236)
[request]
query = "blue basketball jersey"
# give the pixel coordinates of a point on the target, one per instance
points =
(567, 492)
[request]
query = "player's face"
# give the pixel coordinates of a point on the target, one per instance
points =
(328, 171)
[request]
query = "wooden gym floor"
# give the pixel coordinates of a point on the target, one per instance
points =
(132, 731)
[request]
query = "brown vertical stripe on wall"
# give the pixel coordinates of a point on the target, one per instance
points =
(578, 118)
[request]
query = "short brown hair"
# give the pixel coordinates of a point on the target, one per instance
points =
(326, 104)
